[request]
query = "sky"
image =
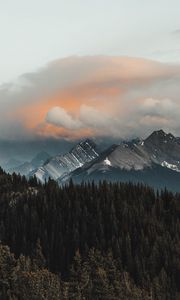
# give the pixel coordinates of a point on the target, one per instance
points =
(75, 69)
(38, 31)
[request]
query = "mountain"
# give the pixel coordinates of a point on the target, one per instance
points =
(61, 165)
(23, 169)
(164, 149)
(11, 163)
(154, 161)
(40, 159)
(27, 167)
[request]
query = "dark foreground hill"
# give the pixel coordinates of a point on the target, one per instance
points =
(105, 241)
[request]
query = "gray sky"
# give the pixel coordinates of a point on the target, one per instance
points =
(38, 31)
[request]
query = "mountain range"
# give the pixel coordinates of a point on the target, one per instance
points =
(25, 168)
(154, 161)
(61, 165)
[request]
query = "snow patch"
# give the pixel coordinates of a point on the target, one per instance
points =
(170, 166)
(107, 162)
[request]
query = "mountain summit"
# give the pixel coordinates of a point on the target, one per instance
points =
(160, 136)
(154, 161)
(60, 165)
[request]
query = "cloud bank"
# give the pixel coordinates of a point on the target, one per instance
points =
(94, 96)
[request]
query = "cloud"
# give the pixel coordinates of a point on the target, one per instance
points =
(76, 97)
(89, 117)
(159, 107)
(150, 115)
(94, 118)
(102, 123)
(156, 113)
(61, 118)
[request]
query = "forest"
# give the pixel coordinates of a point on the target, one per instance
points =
(88, 241)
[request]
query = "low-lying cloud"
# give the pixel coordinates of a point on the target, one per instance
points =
(92, 96)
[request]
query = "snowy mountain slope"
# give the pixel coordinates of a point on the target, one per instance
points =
(132, 160)
(157, 156)
(164, 149)
(64, 164)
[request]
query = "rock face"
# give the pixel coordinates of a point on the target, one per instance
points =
(155, 161)
(61, 165)
(164, 149)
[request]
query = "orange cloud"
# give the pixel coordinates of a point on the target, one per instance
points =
(104, 94)
(34, 114)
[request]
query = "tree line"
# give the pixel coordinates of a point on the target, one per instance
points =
(93, 241)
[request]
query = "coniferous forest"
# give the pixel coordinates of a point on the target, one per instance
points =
(107, 241)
